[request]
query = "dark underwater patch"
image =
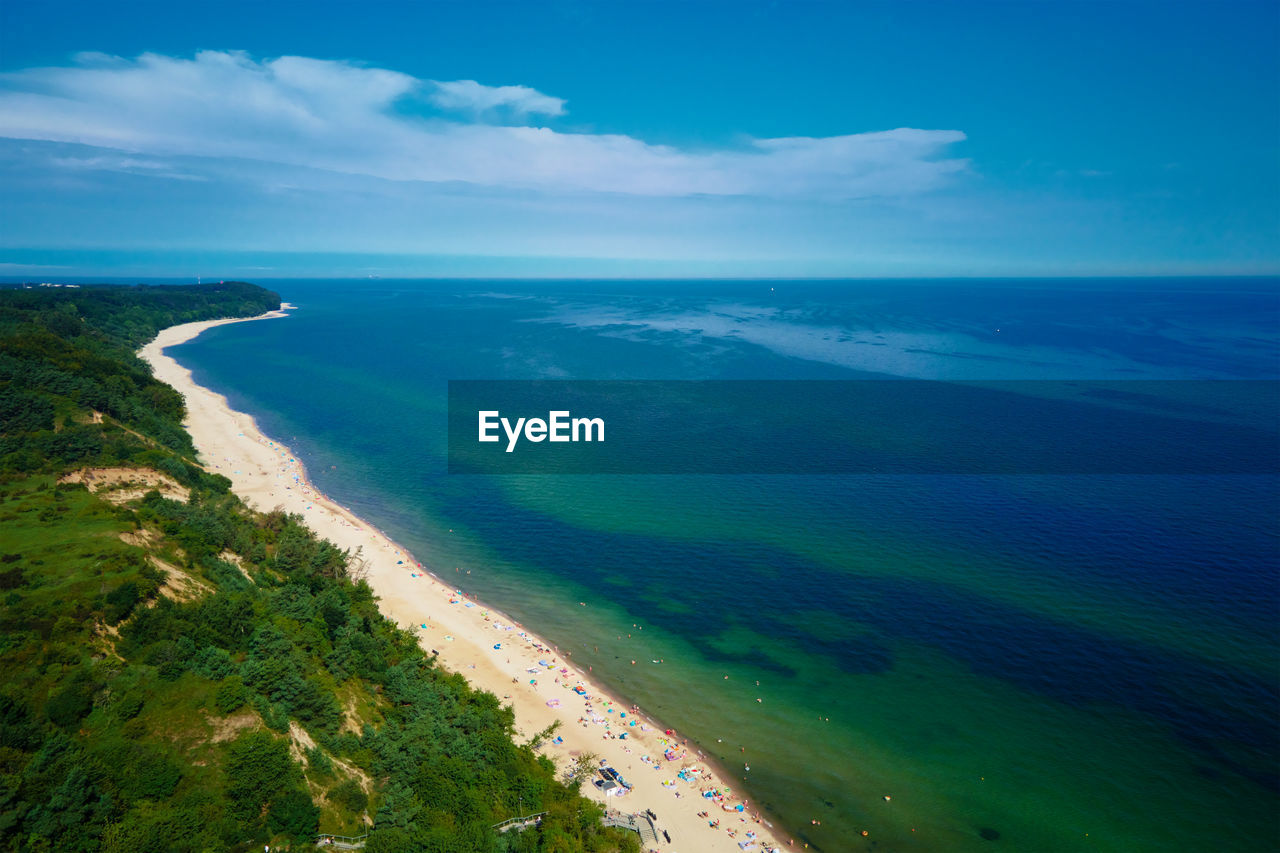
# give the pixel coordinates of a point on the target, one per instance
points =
(1066, 663)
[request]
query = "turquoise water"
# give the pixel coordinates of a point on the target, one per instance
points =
(1027, 662)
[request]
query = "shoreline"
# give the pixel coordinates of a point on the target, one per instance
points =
(491, 650)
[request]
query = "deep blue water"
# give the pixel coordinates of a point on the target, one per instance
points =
(1077, 662)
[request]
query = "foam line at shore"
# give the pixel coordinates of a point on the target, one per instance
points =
(491, 650)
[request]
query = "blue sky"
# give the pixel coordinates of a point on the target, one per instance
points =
(605, 139)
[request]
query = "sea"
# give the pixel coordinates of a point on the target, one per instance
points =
(1032, 660)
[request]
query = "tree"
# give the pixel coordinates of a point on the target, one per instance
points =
(73, 816)
(258, 768)
(293, 814)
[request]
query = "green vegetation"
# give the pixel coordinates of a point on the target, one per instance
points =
(194, 676)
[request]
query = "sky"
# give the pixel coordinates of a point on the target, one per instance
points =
(699, 138)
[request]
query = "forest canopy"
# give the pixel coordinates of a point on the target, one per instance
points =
(188, 674)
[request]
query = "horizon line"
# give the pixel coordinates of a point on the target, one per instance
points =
(192, 279)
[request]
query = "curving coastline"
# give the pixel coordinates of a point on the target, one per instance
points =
(492, 651)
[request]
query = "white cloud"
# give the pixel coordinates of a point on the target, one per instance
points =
(470, 96)
(347, 118)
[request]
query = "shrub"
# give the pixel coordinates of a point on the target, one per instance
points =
(68, 706)
(129, 706)
(213, 663)
(350, 796)
(231, 695)
(319, 761)
(121, 601)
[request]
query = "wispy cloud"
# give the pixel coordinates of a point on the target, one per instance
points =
(111, 162)
(14, 267)
(470, 96)
(353, 119)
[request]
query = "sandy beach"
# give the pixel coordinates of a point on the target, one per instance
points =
(667, 777)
